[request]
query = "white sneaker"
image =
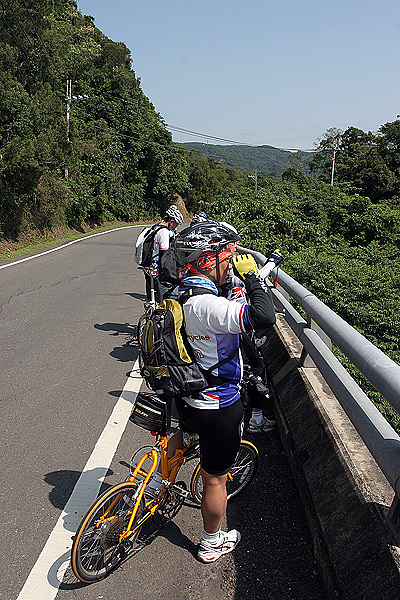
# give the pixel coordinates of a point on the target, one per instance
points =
(265, 425)
(227, 542)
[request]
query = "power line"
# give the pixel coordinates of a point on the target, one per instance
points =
(18, 42)
(109, 95)
(40, 37)
(210, 127)
(206, 136)
(173, 128)
(188, 131)
(20, 46)
(117, 133)
(14, 13)
(34, 25)
(203, 135)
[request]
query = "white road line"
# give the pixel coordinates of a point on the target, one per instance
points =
(46, 576)
(16, 262)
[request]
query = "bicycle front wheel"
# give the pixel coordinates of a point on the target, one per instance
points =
(97, 549)
(239, 477)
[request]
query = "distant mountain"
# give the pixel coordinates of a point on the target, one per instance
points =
(266, 159)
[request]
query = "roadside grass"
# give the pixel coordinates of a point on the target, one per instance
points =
(33, 242)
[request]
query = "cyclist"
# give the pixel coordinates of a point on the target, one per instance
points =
(213, 325)
(162, 239)
(257, 391)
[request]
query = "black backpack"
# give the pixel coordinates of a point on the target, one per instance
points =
(168, 267)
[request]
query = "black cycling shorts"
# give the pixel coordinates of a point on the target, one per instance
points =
(220, 432)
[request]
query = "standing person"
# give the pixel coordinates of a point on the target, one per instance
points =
(213, 325)
(257, 391)
(162, 239)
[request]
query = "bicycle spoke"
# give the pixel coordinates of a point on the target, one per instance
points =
(97, 547)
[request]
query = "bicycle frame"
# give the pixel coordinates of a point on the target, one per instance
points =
(169, 469)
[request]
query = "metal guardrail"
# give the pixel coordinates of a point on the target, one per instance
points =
(383, 373)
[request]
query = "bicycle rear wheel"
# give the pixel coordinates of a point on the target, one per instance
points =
(239, 477)
(96, 549)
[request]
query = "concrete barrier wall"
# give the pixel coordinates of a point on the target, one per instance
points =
(345, 496)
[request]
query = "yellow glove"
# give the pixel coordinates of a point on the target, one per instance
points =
(243, 264)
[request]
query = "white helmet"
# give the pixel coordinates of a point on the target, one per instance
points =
(174, 213)
(198, 218)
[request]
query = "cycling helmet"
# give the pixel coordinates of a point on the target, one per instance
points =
(198, 218)
(229, 226)
(208, 236)
(174, 213)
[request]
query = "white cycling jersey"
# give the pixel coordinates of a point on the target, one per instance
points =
(213, 325)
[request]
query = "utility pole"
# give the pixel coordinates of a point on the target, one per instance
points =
(255, 180)
(69, 98)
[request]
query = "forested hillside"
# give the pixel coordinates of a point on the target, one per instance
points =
(265, 159)
(117, 161)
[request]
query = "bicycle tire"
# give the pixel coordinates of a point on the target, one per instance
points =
(139, 331)
(96, 550)
(242, 473)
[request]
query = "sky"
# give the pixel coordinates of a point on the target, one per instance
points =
(259, 72)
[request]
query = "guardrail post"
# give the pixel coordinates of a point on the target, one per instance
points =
(305, 359)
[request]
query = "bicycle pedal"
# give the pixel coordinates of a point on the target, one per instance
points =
(180, 491)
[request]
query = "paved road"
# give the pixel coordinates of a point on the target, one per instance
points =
(67, 350)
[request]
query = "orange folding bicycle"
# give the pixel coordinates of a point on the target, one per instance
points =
(112, 524)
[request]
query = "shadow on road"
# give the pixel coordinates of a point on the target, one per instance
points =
(141, 297)
(64, 482)
(128, 351)
(153, 528)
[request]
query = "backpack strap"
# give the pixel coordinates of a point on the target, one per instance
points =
(213, 380)
(194, 291)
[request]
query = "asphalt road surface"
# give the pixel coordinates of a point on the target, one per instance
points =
(66, 388)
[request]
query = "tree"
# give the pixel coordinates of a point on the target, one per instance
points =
(368, 163)
(121, 160)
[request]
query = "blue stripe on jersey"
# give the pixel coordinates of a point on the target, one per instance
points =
(226, 345)
(228, 394)
(246, 318)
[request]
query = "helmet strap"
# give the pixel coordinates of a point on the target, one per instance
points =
(217, 268)
(216, 279)
(207, 274)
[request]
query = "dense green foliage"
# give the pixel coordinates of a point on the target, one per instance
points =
(208, 179)
(344, 248)
(266, 159)
(120, 162)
